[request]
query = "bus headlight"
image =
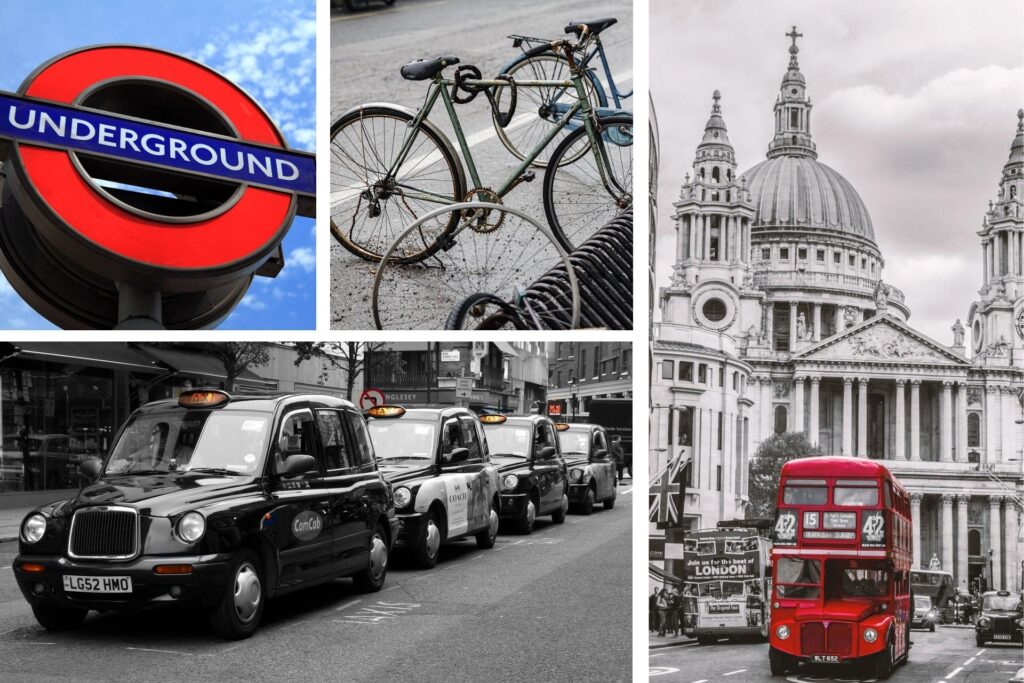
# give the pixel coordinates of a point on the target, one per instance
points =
(33, 528)
(870, 635)
(782, 632)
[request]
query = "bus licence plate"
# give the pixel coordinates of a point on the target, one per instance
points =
(827, 659)
(98, 584)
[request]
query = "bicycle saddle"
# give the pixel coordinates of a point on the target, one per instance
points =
(595, 25)
(424, 69)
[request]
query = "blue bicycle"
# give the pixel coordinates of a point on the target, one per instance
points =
(538, 62)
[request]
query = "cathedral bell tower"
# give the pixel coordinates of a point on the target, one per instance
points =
(793, 111)
(996, 322)
(711, 275)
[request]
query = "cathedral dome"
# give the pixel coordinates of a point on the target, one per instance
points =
(801, 192)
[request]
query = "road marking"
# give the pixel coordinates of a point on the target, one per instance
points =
(149, 649)
(672, 647)
(703, 680)
(348, 604)
(660, 671)
(968, 662)
(980, 653)
(954, 672)
(629, 490)
(738, 671)
(392, 10)
(39, 643)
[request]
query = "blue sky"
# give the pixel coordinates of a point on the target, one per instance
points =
(268, 47)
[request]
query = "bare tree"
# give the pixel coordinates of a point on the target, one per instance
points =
(353, 358)
(237, 357)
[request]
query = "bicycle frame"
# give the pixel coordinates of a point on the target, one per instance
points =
(439, 89)
(598, 50)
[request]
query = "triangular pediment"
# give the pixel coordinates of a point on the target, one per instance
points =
(883, 340)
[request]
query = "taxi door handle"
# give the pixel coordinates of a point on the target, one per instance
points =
(325, 507)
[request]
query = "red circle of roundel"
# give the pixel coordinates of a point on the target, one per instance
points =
(235, 235)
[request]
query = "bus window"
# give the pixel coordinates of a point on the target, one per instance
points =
(805, 492)
(855, 496)
(797, 578)
(865, 583)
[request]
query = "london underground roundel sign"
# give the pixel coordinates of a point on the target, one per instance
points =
(131, 169)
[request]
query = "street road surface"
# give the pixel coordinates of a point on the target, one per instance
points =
(554, 605)
(947, 656)
(369, 48)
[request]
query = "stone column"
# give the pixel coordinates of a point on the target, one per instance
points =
(815, 382)
(946, 420)
(984, 261)
(766, 408)
(915, 519)
(699, 237)
(961, 540)
(862, 417)
(840, 325)
(995, 541)
(816, 336)
(997, 260)
(947, 533)
(915, 419)
(798, 404)
(961, 421)
(1010, 546)
(792, 326)
(901, 422)
(1009, 431)
(991, 423)
(847, 416)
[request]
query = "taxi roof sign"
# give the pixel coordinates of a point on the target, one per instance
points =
(386, 411)
(203, 398)
(492, 419)
(562, 426)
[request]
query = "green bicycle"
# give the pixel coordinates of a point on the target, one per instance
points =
(390, 165)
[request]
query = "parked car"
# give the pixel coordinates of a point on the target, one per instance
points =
(446, 487)
(592, 475)
(1000, 618)
(534, 478)
(925, 615)
(216, 502)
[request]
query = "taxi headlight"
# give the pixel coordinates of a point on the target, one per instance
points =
(403, 497)
(33, 528)
(191, 527)
(983, 622)
(510, 482)
(870, 635)
(575, 474)
(782, 632)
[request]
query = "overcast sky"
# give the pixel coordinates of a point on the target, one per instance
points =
(915, 103)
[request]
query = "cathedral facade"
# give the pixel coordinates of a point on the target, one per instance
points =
(778, 319)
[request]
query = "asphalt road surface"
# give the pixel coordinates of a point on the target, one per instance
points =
(554, 605)
(367, 51)
(949, 655)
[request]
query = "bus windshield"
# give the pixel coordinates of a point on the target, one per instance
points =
(797, 578)
(858, 579)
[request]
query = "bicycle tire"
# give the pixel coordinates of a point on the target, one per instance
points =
(534, 96)
(608, 126)
(407, 295)
(461, 312)
(364, 248)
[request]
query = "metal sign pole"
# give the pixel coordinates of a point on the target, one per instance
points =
(138, 308)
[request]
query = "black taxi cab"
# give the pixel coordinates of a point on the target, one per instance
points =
(445, 485)
(534, 478)
(1000, 618)
(214, 501)
(591, 469)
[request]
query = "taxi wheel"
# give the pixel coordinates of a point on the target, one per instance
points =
(524, 524)
(240, 609)
(609, 503)
(54, 618)
(932, 627)
(425, 554)
(979, 641)
(372, 578)
(587, 506)
(558, 516)
(485, 539)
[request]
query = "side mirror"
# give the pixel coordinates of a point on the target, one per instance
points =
(599, 454)
(546, 452)
(91, 468)
(456, 455)
(296, 464)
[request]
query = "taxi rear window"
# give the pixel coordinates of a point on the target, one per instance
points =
(805, 492)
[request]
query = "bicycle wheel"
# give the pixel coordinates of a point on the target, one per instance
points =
(576, 200)
(485, 312)
(541, 107)
(494, 250)
(369, 207)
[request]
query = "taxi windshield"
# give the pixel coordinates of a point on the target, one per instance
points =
(227, 442)
(1007, 603)
(506, 439)
(402, 439)
(574, 442)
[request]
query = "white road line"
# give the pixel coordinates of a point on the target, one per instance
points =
(39, 643)
(737, 671)
(954, 672)
(703, 680)
(980, 653)
(672, 647)
(968, 662)
(348, 604)
(629, 490)
(149, 649)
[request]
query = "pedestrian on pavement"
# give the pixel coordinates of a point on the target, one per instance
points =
(615, 449)
(652, 611)
(662, 611)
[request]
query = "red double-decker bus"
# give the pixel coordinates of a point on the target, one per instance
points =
(841, 564)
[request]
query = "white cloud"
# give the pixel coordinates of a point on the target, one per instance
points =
(303, 257)
(250, 301)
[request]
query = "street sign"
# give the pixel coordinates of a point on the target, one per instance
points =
(452, 356)
(143, 186)
(463, 387)
(370, 398)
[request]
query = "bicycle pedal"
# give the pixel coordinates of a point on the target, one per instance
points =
(528, 177)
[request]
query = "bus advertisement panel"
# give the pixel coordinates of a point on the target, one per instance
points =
(725, 583)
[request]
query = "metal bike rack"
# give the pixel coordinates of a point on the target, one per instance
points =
(604, 271)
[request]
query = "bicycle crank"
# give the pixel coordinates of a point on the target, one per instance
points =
(483, 220)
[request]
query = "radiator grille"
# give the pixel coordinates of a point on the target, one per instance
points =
(812, 639)
(840, 638)
(104, 533)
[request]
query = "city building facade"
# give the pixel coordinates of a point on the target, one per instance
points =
(579, 372)
(777, 319)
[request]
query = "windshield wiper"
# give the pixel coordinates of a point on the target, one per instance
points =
(127, 472)
(510, 455)
(403, 457)
(213, 470)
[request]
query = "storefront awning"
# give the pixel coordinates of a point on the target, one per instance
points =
(506, 348)
(101, 354)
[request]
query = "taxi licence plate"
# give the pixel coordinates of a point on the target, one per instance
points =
(1000, 636)
(828, 659)
(98, 584)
